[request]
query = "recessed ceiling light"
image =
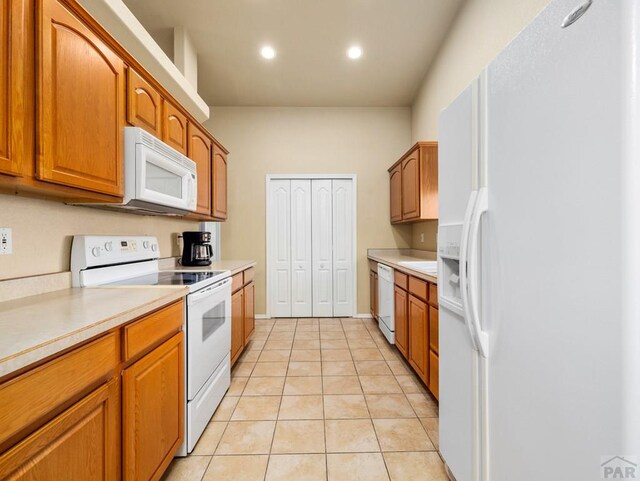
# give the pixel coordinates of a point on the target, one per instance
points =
(268, 52)
(354, 52)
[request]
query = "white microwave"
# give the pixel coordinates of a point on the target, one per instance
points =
(158, 180)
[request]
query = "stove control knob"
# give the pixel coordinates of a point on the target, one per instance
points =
(154, 247)
(95, 251)
(108, 246)
(145, 244)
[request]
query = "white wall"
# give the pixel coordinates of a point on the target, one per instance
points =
(283, 140)
(43, 229)
(481, 30)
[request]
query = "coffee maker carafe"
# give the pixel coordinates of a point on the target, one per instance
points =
(196, 249)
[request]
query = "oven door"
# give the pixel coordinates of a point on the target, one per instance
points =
(162, 180)
(208, 333)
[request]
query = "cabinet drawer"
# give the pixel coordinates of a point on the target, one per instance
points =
(434, 378)
(236, 282)
(433, 294)
(401, 280)
(150, 331)
(418, 288)
(433, 328)
(38, 392)
(249, 274)
(373, 266)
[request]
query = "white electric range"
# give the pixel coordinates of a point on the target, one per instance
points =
(126, 261)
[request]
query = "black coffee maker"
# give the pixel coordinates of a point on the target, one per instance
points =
(196, 249)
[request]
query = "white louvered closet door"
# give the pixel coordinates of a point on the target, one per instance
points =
(301, 278)
(280, 235)
(311, 246)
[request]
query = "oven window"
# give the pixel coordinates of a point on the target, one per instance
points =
(163, 181)
(212, 319)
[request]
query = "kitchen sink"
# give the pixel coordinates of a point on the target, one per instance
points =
(429, 267)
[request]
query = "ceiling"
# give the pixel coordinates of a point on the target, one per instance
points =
(399, 39)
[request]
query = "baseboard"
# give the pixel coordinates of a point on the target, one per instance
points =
(357, 316)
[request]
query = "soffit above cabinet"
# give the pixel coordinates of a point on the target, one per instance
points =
(117, 19)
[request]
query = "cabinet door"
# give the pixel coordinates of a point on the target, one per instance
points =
(81, 443)
(395, 187)
(237, 324)
(402, 323)
(219, 163)
(249, 311)
(144, 106)
(174, 127)
(411, 186)
(434, 379)
(418, 337)
(200, 152)
(11, 84)
(433, 329)
(153, 411)
(80, 101)
(376, 310)
(372, 296)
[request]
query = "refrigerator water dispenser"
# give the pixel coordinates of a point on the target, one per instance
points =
(449, 267)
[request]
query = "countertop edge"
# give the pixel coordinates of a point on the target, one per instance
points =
(55, 346)
(406, 270)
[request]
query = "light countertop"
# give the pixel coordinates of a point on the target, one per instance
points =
(36, 327)
(393, 257)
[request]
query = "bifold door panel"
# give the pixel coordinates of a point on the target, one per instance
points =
(322, 247)
(311, 243)
(301, 272)
(280, 193)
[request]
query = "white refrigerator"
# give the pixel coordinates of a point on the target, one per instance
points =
(539, 254)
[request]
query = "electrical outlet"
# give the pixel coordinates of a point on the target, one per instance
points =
(6, 245)
(421, 236)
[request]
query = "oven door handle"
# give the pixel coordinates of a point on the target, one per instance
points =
(209, 291)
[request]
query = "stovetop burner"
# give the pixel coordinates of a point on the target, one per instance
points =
(168, 278)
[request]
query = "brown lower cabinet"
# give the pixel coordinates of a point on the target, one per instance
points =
(373, 293)
(401, 320)
(419, 336)
(152, 406)
(96, 412)
(242, 312)
(416, 322)
(81, 443)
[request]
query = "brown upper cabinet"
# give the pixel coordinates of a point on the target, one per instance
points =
(67, 90)
(395, 185)
(174, 127)
(144, 104)
(414, 184)
(219, 166)
(80, 104)
(10, 34)
(200, 152)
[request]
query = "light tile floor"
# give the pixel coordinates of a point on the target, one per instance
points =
(319, 400)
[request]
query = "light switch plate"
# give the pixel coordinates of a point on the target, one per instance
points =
(6, 244)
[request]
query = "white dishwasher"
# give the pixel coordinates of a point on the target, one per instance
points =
(386, 317)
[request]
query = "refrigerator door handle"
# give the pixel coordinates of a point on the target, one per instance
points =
(482, 205)
(464, 247)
